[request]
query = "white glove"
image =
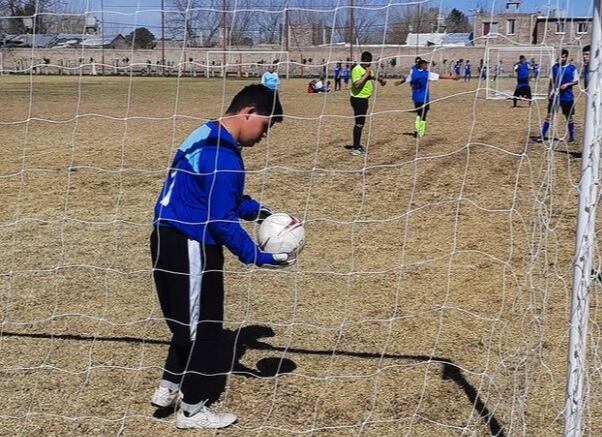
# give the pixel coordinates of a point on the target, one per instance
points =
(282, 260)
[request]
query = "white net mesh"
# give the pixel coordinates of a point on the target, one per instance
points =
(432, 296)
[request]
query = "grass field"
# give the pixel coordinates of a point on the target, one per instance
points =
(431, 299)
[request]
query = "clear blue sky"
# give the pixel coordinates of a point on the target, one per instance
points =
(124, 15)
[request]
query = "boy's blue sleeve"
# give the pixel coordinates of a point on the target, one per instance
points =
(222, 194)
(249, 208)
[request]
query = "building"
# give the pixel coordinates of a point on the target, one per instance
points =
(511, 28)
(107, 41)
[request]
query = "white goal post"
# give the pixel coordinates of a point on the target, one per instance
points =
(3, 72)
(245, 58)
(500, 77)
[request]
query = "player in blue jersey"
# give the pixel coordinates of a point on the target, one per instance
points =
(467, 71)
(457, 68)
(523, 89)
(338, 72)
(564, 77)
(196, 214)
(418, 79)
(586, 72)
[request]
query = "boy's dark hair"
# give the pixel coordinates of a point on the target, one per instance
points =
(522, 57)
(587, 48)
(264, 100)
(417, 59)
(366, 57)
(564, 52)
(422, 62)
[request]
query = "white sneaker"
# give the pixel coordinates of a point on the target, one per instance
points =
(204, 418)
(164, 397)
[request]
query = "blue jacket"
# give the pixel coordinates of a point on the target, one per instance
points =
(419, 81)
(522, 72)
(203, 194)
(562, 74)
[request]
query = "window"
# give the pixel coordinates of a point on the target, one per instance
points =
(582, 27)
(560, 26)
(510, 27)
(489, 27)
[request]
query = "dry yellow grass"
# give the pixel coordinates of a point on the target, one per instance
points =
(431, 299)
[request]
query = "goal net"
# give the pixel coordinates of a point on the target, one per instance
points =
(500, 74)
(433, 295)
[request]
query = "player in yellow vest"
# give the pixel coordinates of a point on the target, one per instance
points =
(362, 87)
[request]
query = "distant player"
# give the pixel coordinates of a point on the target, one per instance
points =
(564, 77)
(586, 72)
(346, 74)
(270, 79)
(338, 72)
(499, 71)
(362, 87)
(523, 89)
(467, 71)
(418, 79)
(457, 69)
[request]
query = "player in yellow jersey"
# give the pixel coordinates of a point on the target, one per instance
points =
(362, 87)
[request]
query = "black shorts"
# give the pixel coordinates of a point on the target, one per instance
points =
(567, 108)
(523, 91)
(360, 109)
(421, 109)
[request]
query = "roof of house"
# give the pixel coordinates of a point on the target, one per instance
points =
(31, 40)
(424, 39)
(457, 39)
(99, 40)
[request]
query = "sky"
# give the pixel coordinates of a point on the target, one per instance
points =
(124, 15)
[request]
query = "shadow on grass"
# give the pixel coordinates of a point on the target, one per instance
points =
(249, 337)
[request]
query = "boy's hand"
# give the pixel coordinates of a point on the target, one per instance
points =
(264, 213)
(401, 81)
(382, 81)
(277, 260)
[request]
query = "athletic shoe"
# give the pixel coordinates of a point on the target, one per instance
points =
(204, 418)
(164, 397)
(358, 151)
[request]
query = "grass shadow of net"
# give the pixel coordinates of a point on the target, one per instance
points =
(236, 343)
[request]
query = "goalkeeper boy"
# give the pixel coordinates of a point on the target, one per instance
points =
(198, 213)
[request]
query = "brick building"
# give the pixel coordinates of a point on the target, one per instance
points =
(531, 29)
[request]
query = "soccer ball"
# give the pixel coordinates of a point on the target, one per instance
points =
(281, 233)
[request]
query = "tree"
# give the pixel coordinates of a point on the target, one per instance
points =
(413, 19)
(24, 9)
(457, 22)
(141, 38)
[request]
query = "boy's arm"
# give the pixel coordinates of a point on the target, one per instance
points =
(359, 83)
(223, 222)
(250, 209)
(574, 82)
(404, 79)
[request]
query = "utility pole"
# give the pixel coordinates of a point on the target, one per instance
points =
(351, 29)
(225, 19)
(163, 32)
(102, 36)
(286, 25)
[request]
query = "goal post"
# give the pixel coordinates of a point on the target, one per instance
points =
(500, 78)
(245, 59)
